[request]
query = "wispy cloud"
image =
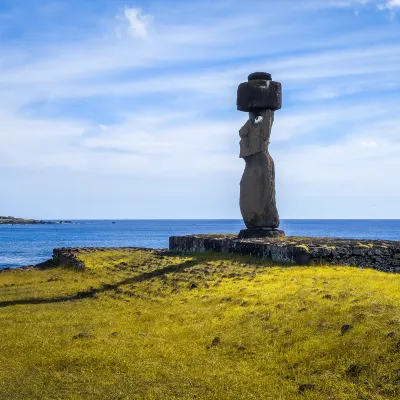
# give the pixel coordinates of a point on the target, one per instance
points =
(156, 107)
(389, 4)
(138, 22)
(379, 4)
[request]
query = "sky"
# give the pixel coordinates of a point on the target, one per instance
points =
(127, 109)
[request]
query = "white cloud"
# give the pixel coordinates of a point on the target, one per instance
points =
(179, 121)
(369, 143)
(347, 3)
(389, 4)
(139, 22)
(380, 4)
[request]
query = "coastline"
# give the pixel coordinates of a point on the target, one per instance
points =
(23, 221)
(382, 255)
(27, 245)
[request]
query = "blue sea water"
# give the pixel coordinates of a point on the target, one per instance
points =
(31, 244)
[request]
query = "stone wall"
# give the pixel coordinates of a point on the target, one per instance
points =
(378, 254)
(68, 256)
(383, 255)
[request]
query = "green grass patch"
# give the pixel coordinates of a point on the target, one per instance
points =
(143, 325)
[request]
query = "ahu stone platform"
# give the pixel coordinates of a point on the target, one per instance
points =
(69, 256)
(382, 255)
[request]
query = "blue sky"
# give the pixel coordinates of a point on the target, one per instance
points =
(126, 109)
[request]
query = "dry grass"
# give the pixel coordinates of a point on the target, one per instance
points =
(145, 326)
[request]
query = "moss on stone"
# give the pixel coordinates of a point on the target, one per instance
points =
(325, 246)
(364, 246)
(303, 246)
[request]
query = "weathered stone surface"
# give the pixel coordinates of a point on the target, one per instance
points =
(260, 233)
(255, 76)
(299, 250)
(255, 133)
(259, 95)
(69, 256)
(257, 187)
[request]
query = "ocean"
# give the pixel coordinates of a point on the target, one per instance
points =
(22, 245)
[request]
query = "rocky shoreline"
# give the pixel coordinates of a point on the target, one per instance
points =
(23, 221)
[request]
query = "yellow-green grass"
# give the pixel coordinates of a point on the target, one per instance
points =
(139, 325)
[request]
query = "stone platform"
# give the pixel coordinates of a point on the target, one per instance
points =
(383, 255)
(260, 233)
(69, 256)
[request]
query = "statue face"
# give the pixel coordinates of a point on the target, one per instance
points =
(258, 119)
(255, 117)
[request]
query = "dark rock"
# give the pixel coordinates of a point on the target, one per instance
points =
(260, 233)
(293, 250)
(259, 95)
(346, 328)
(255, 76)
(354, 370)
(216, 341)
(300, 256)
(321, 252)
(397, 347)
(305, 387)
(83, 335)
(226, 299)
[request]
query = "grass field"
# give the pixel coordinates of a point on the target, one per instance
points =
(146, 325)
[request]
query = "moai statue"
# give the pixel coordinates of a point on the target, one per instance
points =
(260, 97)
